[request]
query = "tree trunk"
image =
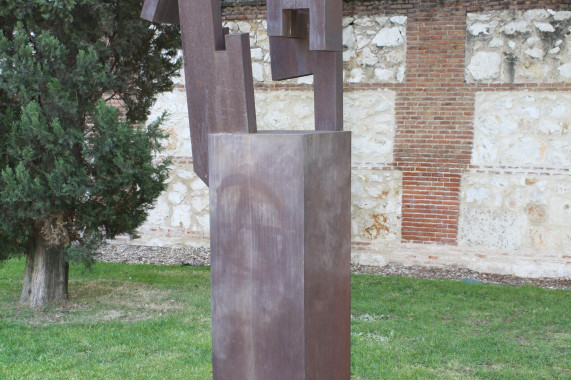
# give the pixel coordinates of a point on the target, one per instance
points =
(46, 276)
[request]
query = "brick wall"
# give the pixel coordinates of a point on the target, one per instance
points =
(434, 134)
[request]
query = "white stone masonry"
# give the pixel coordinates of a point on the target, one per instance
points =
(374, 49)
(518, 46)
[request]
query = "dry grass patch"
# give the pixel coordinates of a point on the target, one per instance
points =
(95, 301)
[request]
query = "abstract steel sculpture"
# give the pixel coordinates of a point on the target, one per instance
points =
(305, 38)
(279, 201)
(218, 72)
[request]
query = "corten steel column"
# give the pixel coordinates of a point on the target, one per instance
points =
(280, 255)
(279, 201)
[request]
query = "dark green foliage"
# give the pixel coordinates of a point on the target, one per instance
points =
(72, 169)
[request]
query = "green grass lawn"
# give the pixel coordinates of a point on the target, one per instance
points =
(145, 322)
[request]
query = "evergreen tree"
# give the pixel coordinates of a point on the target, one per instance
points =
(73, 170)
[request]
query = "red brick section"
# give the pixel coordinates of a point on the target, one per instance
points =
(434, 107)
(434, 112)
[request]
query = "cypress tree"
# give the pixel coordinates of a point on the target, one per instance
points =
(75, 171)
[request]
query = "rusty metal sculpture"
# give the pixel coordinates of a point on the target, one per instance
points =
(218, 72)
(305, 38)
(279, 201)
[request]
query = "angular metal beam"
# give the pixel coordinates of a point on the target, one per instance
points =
(305, 39)
(280, 214)
(325, 31)
(217, 69)
(161, 11)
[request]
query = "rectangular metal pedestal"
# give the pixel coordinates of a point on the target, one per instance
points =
(280, 255)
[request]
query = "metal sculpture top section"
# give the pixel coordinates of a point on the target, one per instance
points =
(288, 18)
(218, 72)
(305, 39)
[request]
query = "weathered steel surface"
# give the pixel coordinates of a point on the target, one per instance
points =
(218, 72)
(305, 39)
(325, 31)
(279, 201)
(161, 11)
(280, 255)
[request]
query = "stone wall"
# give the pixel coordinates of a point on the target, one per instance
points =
(522, 130)
(374, 49)
(517, 194)
(180, 216)
(461, 149)
(518, 46)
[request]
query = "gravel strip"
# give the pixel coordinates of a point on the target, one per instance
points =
(132, 254)
(200, 256)
(462, 274)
